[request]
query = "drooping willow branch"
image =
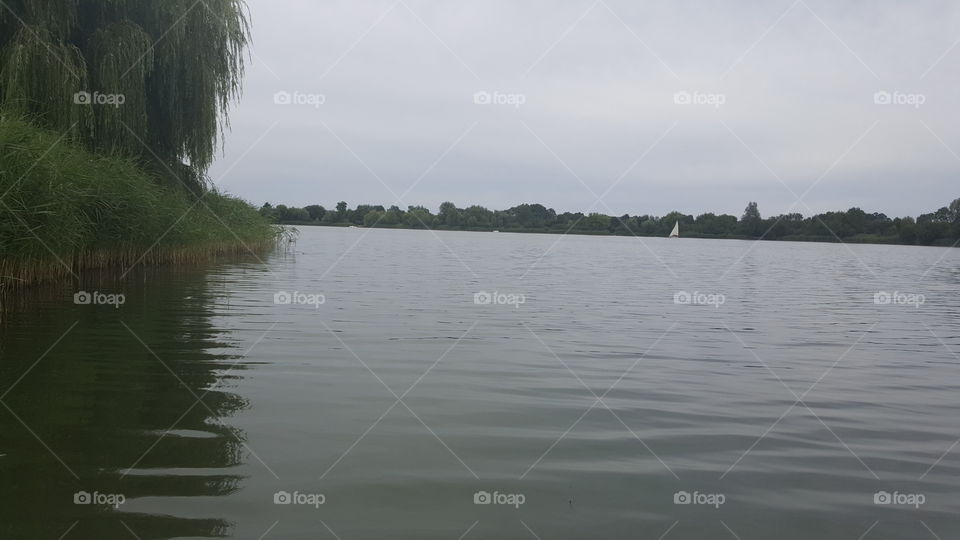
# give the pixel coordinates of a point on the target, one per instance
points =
(177, 64)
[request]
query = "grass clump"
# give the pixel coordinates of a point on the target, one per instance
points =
(64, 209)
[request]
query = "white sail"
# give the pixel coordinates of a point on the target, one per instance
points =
(676, 230)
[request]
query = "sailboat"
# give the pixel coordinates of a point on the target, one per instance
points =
(675, 233)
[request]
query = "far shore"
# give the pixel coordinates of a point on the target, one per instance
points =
(860, 239)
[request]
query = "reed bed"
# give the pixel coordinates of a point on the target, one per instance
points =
(64, 210)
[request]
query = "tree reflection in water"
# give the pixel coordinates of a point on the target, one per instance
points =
(128, 401)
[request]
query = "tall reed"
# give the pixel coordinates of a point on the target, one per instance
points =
(64, 210)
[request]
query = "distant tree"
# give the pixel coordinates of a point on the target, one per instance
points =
(478, 216)
(329, 218)
(269, 212)
(373, 217)
(751, 223)
(287, 214)
(358, 216)
(532, 216)
(418, 217)
(711, 224)
(316, 211)
(783, 225)
(595, 222)
(449, 215)
(341, 211)
(620, 225)
(930, 231)
(651, 226)
(393, 216)
(855, 222)
(907, 231)
(826, 225)
(954, 211)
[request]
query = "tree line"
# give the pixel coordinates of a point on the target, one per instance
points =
(941, 227)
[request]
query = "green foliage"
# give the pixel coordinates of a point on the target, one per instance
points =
(372, 218)
(954, 211)
(449, 215)
(63, 206)
(929, 232)
(751, 224)
(315, 211)
(177, 63)
(39, 76)
(853, 225)
(418, 217)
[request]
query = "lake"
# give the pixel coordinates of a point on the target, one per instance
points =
(368, 384)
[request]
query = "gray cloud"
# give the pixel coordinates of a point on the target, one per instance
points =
(598, 80)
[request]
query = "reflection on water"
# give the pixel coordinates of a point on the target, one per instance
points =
(108, 405)
(300, 398)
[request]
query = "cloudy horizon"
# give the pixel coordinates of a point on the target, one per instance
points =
(599, 105)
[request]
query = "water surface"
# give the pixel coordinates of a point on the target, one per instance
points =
(791, 389)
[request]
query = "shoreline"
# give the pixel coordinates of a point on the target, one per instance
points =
(821, 240)
(69, 210)
(30, 273)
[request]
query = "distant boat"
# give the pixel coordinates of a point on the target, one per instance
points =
(675, 233)
(495, 230)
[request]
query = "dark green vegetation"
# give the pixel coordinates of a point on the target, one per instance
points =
(110, 115)
(66, 208)
(175, 65)
(938, 228)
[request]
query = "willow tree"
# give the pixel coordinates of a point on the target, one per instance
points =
(175, 65)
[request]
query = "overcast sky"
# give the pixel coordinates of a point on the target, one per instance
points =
(584, 104)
